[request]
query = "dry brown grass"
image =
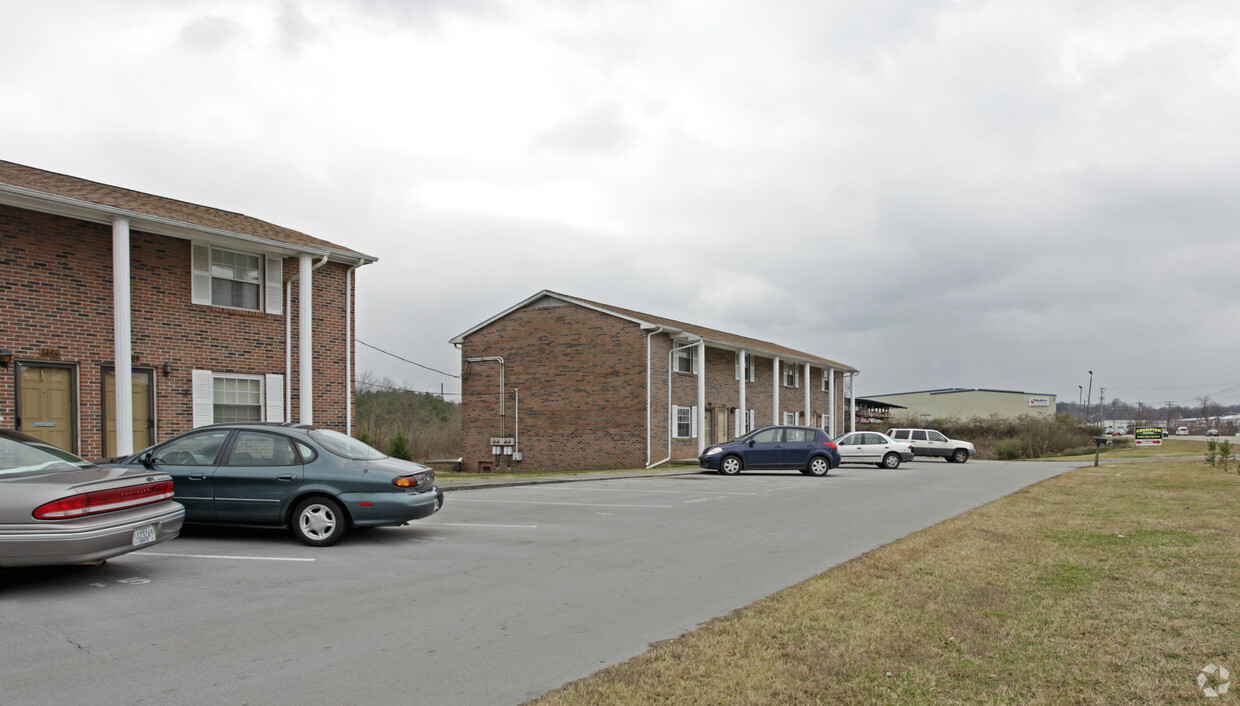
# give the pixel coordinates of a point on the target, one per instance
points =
(1109, 585)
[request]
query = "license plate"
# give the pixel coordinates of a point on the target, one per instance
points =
(144, 535)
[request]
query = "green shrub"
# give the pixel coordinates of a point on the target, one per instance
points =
(398, 447)
(1008, 450)
(1212, 452)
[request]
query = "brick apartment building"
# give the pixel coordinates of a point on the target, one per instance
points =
(132, 314)
(557, 382)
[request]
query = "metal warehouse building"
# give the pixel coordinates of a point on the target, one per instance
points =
(966, 403)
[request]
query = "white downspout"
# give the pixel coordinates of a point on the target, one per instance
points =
(648, 396)
(742, 416)
(808, 408)
(701, 396)
(670, 421)
(348, 348)
(775, 392)
(122, 330)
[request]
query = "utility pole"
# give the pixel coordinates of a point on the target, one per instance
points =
(1168, 416)
(1088, 395)
(1101, 392)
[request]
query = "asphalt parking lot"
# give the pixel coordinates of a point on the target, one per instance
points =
(507, 593)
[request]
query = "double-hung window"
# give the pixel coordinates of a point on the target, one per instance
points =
(686, 358)
(744, 371)
(229, 397)
(790, 417)
(684, 422)
(236, 280)
(792, 375)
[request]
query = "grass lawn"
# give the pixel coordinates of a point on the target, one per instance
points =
(1108, 585)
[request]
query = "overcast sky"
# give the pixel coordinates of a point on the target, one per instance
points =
(957, 193)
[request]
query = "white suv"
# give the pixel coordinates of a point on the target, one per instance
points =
(928, 442)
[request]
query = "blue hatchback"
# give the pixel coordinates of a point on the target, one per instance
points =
(807, 449)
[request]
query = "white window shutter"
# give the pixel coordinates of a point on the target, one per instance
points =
(204, 405)
(275, 398)
(693, 425)
(200, 278)
(275, 285)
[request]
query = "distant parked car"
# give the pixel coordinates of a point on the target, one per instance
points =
(316, 481)
(872, 447)
(1212, 432)
(806, 449)
(56, 508)
(1181, 431)
(928, 442)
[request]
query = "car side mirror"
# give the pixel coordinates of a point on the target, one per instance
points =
(146, 460)
(751, 443)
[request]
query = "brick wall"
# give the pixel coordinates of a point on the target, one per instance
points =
(56, 306)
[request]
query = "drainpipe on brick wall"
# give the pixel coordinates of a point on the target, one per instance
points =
(348, 350)
(808, 410)
(775, 392)
(852, 412)
(503, 428)
(670, 420)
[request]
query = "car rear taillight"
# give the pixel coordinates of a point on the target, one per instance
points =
(832, 445)
(417, 480)
(98, 501)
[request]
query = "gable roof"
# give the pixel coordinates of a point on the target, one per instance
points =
(60, 194)
(713, 337)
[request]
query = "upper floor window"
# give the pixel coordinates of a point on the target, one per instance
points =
(685, 359)
(744, 370)
(237, 280)
(792, 375)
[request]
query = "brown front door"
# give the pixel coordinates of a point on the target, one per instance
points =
(719, 428)
(143, 417)
(45, 403)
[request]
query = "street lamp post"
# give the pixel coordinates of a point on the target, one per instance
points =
(1089, 395)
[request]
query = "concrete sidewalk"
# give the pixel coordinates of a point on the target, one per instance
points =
(446, 482)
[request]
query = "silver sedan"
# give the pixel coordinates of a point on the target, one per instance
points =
(56, 508)
(873, 447)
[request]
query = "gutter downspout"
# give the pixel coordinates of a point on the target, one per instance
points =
(122, 335)
(503, 428)
(675, 349)
(653, 331)
(348, 348)
(742, 416)
(775, 392)
(808, 422)
(853, 414)
(831, 402)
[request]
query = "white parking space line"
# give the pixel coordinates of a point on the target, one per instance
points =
(470, 524)
(223, 556)
(692, 491)
(530, 502)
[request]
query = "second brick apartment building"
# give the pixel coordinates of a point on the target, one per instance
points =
(560, 383)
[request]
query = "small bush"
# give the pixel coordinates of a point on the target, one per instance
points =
(1007, 450)
(1212, 452)
(398, 447)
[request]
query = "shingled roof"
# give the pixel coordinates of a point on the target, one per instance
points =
(710, 335)
(29, 187)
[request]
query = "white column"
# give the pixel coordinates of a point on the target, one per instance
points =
(305, 341)
(852, 388)
(808, 408)
(775, 392)
(741, 416)
(122, 336)
(701, 396)
(830, 373)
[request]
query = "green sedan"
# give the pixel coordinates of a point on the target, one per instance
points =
(315, 481)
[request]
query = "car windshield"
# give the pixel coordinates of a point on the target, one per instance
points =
(24, 455)
(345, 446)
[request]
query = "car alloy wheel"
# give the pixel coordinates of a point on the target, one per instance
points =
(319, 522)
(730, 466)
(819, 465)
(891, 461)
(960, 455)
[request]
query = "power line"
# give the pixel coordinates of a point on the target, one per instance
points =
(411, 362)
(390, 388)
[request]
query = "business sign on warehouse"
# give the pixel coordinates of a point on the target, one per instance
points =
(1039, 402)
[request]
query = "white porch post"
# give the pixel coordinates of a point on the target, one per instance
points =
(830, 373)
(701, 397)
(775, 392)
(741, 415)
(122, 336)
(852, 416)
(305, 340)
(808, 408)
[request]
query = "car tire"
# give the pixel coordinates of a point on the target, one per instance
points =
(890, 461)
(319, 521)
(959, 456)
(730, 465)
(818, 466)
